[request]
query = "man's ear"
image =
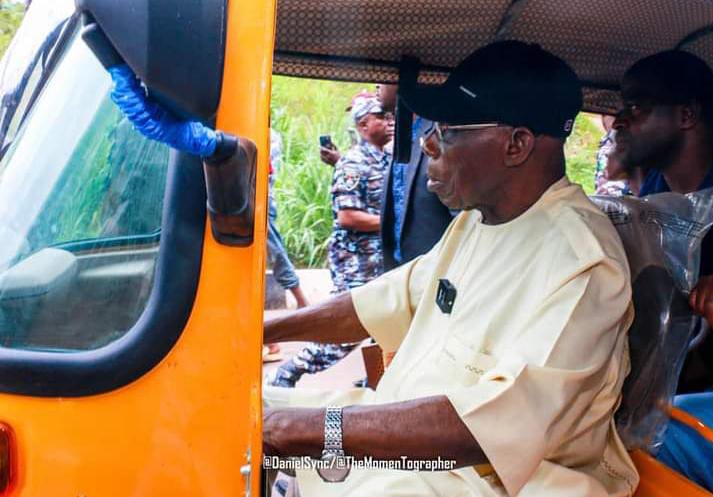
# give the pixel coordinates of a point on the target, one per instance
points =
(689, 115)
(519, 147)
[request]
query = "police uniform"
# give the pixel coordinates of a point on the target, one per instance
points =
(355, 257)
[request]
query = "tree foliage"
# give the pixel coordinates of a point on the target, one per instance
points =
(11, 14)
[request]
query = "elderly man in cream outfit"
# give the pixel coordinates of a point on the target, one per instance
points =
(509, 335)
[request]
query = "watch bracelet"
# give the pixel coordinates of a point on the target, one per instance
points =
(333, 430)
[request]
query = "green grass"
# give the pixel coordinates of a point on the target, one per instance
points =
(302, 110)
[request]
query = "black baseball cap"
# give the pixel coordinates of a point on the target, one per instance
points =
(508, 82)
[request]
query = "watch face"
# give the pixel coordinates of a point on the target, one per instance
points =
(333, 468)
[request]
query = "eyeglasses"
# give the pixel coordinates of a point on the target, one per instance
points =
(432, 141)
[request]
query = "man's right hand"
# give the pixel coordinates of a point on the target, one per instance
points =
(353, 219)
(329, 156)
(701, 298)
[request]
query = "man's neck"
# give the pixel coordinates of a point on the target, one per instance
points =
(526, 187)
(380, 148)
(687, 173)
(517, 200)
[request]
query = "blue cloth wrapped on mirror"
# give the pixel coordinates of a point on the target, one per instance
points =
(154, 122)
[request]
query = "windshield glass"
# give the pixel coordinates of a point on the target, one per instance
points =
(24, 62)
(56, 180)
(81, 196)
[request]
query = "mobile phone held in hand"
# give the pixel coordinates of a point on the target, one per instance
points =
(325, 141)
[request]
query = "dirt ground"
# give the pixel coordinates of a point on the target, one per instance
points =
(316, 284)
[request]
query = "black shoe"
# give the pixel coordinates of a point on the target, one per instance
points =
(283, 380)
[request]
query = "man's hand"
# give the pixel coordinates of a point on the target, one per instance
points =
(269, 435)
(357, 220)
(701, 298)
(293, 432)
(329, 156)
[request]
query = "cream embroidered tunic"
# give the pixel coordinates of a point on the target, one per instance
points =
(532, 356)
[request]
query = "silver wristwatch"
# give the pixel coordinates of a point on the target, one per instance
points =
(333, 466)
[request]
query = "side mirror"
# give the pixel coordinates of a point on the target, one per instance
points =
(230, 183)
(176, 47)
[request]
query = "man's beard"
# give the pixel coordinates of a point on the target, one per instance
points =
(657, 154)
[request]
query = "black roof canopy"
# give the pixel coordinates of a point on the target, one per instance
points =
(364, 40)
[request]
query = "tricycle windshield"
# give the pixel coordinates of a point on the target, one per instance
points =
(25, 62)
(81, 194)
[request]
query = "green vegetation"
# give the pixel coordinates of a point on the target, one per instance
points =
(10, 18)
(111, 186)
(581, 151)
(302, 110)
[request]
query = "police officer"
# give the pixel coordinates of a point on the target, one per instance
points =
(355, 255)
(355, 250)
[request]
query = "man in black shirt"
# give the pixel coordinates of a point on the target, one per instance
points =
(412, 218)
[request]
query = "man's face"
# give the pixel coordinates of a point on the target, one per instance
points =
(467, 171)
(377, 129)
(647, 133)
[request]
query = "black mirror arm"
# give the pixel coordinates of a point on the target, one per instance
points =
(230, 175)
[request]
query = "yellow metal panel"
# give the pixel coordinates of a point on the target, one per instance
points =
(185, 427)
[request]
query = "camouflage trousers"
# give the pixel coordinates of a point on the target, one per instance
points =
(314, 358)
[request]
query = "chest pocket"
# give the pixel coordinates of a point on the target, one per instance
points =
(462, 363)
